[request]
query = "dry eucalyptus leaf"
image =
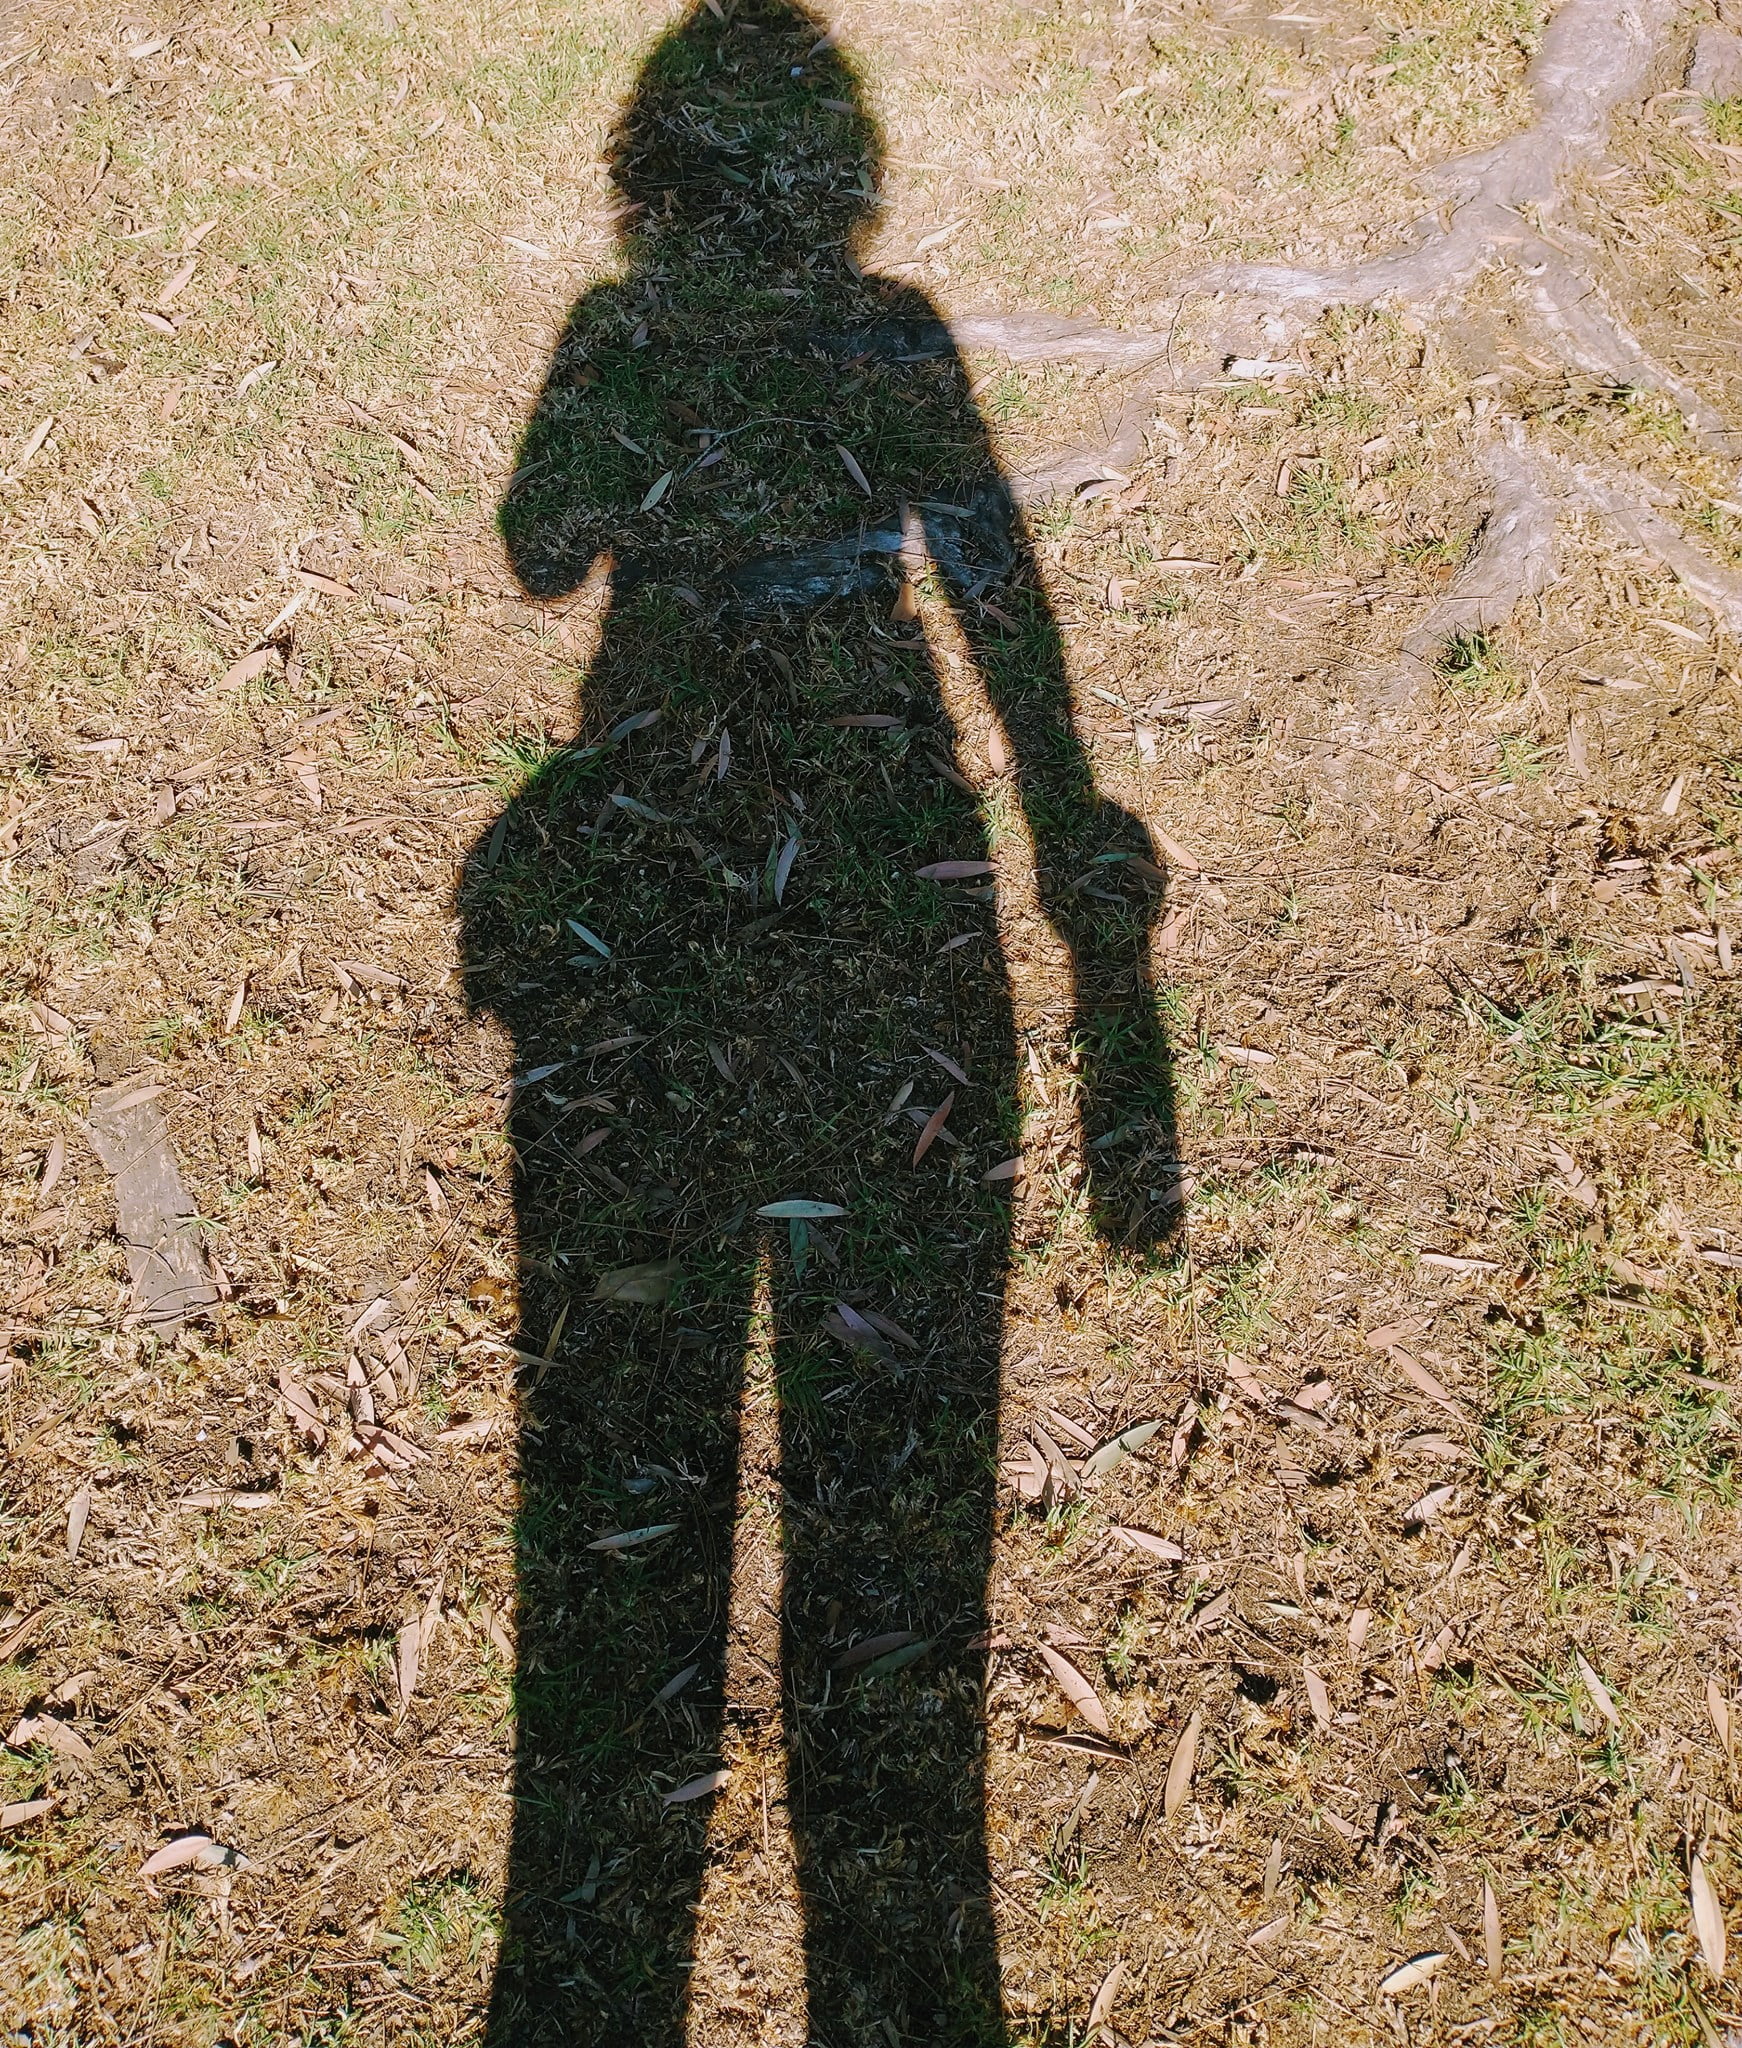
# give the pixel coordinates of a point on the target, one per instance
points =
(78, 1514)
(197, 1850)
(1708, 1916)
(639, 1286)
(1411, 1976)
(60, 1736)
(1719, 1709)
(697, 1788)
(1105, 1999)
(1116, 1450)
(1179, 1771)
(1493, 1948)
(1157, 1546)
(1076, 1688)
(300, 1409)
(632, 1539)
(1598, 1691)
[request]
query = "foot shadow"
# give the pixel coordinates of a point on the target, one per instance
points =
(731, 983)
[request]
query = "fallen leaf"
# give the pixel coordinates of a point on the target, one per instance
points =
(1411, 1976)
(22, 1810)
(632, 1539)
(1708, 1916)
(1006, 1169)
(226, 1497)
(933, 1125)
(78, 1514)
(997, 752)
(33, 445)
(905, 609)
(1719, 1709)
(1432, 1504)
(1420, 1378)
(1574, 1178)
(1175, 852)
(1598, 1691)
(1318, 1695)
(697, 1788)
(1493, 1948)
(1061, 1481)
(872, 1647)
(1389, 1335)
(247, 381)
(880, 1322)
(60, 1736)
(1180, 1769)
(1245, 1380)
(851, 466)
(801, 1211)
(312, 579)
(1157, 1546)
(637, 1286)
(1451, 1262)
(954, 870)
(587, 937)
(473, 1430)
(198, 1850)
(949, 1065)
(1076, 1688)
(1113, 1453)
(53, 1166)
(673, 1686)
(1246, 1055)
(1105, 1999)
(896, 1659)
(176, 283)
(783, 866)
(19, 1632)
(658, 490)
(1213, 1610)
(1430, 1445)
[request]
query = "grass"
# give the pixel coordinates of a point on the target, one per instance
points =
(1420, 950)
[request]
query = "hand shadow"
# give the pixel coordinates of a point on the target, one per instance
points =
(728, 986)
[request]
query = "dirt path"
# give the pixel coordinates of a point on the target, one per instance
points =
(1350, 1437)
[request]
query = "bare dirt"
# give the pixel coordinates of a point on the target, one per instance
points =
(1406, 1647)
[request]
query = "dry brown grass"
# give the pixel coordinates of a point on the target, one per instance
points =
(1417, 974)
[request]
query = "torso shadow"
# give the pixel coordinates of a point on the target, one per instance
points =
(709, 926)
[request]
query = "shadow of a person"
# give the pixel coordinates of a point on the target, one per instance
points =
(708, 935)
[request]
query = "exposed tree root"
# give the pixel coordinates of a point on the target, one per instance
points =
(1514, 558)
(1595, 56)
(1626, 502)
(1514, 555)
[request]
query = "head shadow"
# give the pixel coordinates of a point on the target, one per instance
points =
(727, 928)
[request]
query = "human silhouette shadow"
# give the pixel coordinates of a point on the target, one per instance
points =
(728, 986)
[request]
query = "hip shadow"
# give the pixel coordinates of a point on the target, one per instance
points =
(733, 985)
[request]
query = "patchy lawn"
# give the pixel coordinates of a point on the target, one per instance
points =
(1214, 1518)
